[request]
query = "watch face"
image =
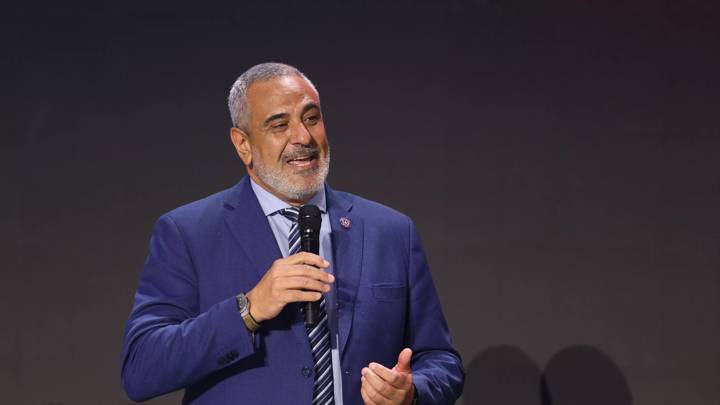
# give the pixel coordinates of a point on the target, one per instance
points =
(242, 303)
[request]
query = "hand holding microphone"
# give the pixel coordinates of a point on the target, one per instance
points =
(296, 278)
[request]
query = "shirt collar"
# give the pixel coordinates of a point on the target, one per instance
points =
(270, 204)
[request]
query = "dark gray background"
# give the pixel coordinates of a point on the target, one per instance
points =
(559, 158)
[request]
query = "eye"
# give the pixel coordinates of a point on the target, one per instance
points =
(312, 119)
(279, 126)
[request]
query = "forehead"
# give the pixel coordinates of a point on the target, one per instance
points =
(280, 95)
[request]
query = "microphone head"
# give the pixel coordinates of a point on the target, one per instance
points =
(309, 219)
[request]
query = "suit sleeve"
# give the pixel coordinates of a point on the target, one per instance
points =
(168, 343)
(437, 367)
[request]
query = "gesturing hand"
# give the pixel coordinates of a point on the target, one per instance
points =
(296, 278)
(381, 385)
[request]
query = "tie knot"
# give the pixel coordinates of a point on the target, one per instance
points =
(291, 213)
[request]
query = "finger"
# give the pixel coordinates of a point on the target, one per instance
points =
(303, 270)
(404, 359)
(379, 385)
(399, 380)
(300, 296)
(302, 283)
(308, 258)
(369, 394)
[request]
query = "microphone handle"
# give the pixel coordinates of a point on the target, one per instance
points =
(311, 244)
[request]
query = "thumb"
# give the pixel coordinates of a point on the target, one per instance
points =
(403, 363)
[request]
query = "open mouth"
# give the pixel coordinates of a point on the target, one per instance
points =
(302, 160)
(302, 157)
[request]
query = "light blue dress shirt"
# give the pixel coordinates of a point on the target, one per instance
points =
(280, 226)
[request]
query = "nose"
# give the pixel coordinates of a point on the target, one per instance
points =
(300, 134)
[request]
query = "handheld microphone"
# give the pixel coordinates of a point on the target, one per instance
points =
(309, 226)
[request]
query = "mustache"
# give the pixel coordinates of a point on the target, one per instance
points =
(299, 152)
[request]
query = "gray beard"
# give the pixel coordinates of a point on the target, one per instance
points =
(278, 182)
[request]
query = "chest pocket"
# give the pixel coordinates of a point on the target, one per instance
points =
(384, 292)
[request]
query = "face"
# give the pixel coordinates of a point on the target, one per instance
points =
(284, 148)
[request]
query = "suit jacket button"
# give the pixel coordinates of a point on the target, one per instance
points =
(306, 371)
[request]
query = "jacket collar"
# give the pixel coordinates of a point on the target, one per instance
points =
(348, 242)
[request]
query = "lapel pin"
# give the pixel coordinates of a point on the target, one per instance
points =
(345, 223)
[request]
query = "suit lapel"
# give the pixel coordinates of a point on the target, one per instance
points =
(347, 242)
(250, 227)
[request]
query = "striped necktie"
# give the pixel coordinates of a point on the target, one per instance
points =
(319, 335)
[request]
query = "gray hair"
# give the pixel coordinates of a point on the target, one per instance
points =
(237, 102)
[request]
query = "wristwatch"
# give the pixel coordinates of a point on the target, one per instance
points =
(244, 308)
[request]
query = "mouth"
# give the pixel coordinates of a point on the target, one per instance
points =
(303, 161)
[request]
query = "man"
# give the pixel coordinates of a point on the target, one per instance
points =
(217, 309)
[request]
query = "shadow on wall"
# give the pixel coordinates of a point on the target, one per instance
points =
(505, 375)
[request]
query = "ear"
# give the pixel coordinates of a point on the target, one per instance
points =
(241, 141)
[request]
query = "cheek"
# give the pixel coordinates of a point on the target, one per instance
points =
(270, 152)
(319, 136)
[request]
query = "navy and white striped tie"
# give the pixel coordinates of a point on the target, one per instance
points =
(319, 335)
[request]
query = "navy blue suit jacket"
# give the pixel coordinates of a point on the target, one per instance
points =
(185, 330)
